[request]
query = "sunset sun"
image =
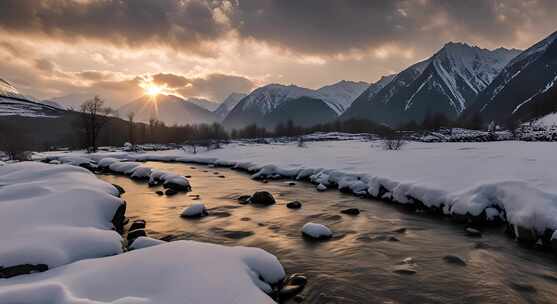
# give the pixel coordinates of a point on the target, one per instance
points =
(152, 90)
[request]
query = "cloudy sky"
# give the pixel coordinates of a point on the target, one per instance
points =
(210, 48)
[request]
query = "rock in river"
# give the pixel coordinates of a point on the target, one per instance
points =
(317, 231)
(262, 198)
(195, 211)
(294, 205)
(351, 211)
(454, 259)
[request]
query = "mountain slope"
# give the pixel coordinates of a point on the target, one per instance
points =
(263, 101)
(303, 111)
(228, 104)
(340, 95)
(525, 88)
(204, 103)
(13, 103)
(169, 109)
(445, 83)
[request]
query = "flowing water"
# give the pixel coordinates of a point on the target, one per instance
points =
(358, 264)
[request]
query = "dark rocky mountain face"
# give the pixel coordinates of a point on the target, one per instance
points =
(525, 89)
(303, 111)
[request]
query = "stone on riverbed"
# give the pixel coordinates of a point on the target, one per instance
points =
(138, 224)
(316, 231)
(170, 192)
(134, 234)
(294, 205)
(473, 232)
(263, 198)
(321, 187)
(159, 192)
(196, 210)
(351, 211)
(292, 286)
(244, 199)
(454, 259)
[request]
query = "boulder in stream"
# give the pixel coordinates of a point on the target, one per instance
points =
(196, 210)
(351, 211)
(294, 205)
(262, 198)
(316, 231)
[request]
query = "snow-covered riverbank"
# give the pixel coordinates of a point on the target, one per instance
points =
(509, 180)
(59, 220)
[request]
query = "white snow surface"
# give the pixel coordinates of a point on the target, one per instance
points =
(55, 215)
(317, 231)
(548, 120)
(175, 272)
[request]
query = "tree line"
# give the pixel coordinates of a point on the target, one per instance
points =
(95, 125)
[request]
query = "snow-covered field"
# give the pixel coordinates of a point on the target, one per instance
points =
(175, 272)
(59, 218)
(55, 215)
(511, 180)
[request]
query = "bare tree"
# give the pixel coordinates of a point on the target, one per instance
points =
(94, 116)
(393, 140)
(16, 142)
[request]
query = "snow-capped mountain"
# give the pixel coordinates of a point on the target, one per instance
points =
(204, 103)
(445, 83)
(13, 103)
(525, 88)
(228, 104)
(261, 104)
(167, 108)
(341, 94)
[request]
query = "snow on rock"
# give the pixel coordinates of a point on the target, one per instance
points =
(317, 231)
(75, 160)
(175, 272)
(321, 187)
(141, 172)
(55, 215)
(144, 242)
(124, 167)
(106, 162)
(195, 210)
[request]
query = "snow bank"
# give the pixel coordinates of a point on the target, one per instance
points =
(54, 215)
(317, 231)
(175, 272)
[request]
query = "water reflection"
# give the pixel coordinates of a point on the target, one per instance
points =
(358, 265)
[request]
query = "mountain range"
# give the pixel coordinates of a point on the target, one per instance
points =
(275, 103)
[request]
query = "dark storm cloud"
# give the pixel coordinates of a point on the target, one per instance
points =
(307, 26)
(214, 86)
(330, 26)
(130, 22)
